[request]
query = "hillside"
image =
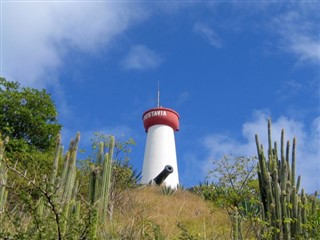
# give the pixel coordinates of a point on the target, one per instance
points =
(146, 213)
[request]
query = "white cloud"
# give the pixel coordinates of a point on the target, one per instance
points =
(307, 150)
(299, 35)
(37, 35)
(140, 58)
(306, 47)
(208, 34)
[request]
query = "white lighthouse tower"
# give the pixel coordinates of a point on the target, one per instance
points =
(160, 124)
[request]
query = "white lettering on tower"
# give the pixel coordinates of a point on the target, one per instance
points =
(154, 113)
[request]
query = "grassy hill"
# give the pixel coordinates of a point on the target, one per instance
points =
(147, 213)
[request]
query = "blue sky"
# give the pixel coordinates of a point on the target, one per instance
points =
(224, 66)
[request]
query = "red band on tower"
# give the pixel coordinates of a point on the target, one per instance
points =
(161, 115)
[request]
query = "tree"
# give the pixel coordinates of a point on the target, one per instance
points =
(234, 188)
(28, 117)
(235, 176)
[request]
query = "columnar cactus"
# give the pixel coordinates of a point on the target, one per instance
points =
(59, 202)
(283, 208)
(3, 177)
(100, 180)
(55, 165)
(70, 177)
(106, 180)
(68, 185)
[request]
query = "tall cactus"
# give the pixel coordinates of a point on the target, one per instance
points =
(283, 208)
(106, 179)
(100, 181)
(55, 164)
(57, 210)
(3, 177)
(70, 177)
(68, 185)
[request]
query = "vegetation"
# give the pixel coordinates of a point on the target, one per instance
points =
(263, 202)
(234, 188)
(123, 175)
(285, 213)
(249, 198)
(55, 208)
(28, 117)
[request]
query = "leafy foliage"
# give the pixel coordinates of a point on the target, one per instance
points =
(233, 188)
(234, 181)
(28, 117)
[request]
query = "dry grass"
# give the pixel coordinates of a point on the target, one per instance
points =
(148, 214)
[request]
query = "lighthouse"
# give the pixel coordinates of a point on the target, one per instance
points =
(160, 124)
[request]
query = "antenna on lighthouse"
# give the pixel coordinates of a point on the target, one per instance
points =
(158, 98)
